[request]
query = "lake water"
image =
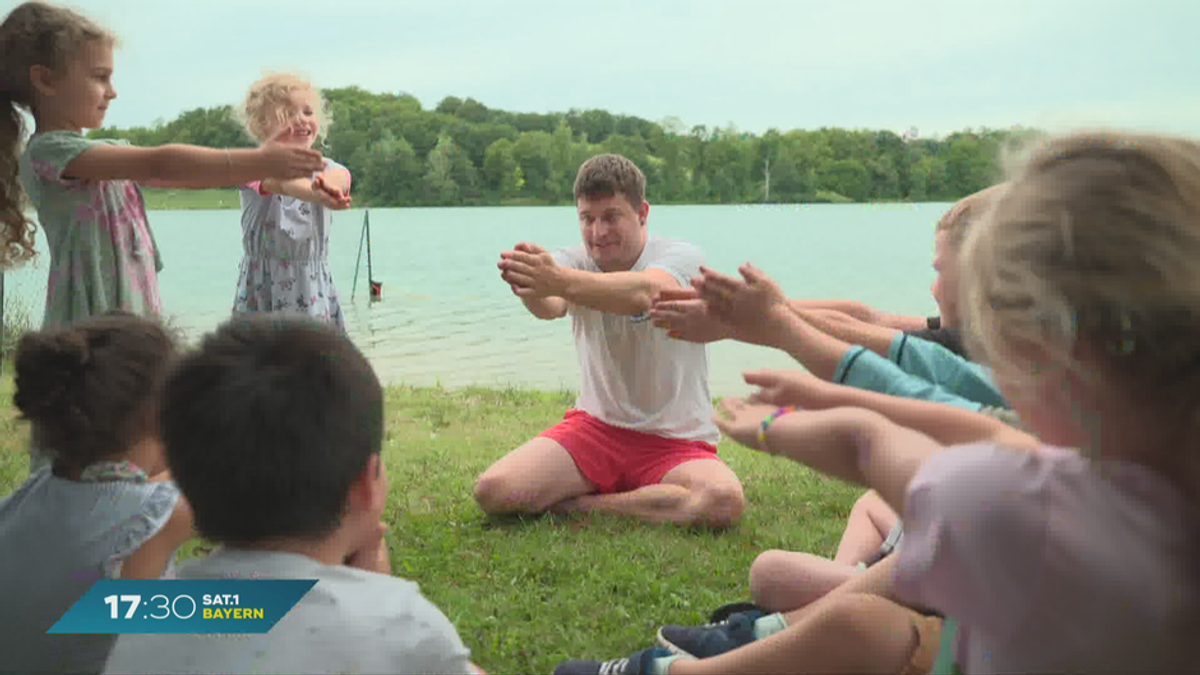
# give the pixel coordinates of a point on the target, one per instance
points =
(446, 317)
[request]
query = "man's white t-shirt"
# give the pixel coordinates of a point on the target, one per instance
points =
(634, 376)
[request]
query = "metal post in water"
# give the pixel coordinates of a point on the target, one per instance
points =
(358, 258)
(375, 290)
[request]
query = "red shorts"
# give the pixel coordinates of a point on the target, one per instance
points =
(620, 460)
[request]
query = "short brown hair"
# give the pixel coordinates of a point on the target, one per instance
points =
(608, 175)
(293, 405)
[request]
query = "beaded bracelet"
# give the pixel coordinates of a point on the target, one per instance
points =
(762, 429)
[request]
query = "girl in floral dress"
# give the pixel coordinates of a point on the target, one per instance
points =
(285, 223)
(58, 66)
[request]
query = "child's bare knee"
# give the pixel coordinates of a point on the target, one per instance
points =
(768, 571)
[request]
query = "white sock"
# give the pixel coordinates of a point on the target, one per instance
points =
(769, 625)
(660, 665)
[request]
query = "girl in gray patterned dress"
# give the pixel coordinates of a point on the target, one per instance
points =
(105, 509)
(285, 223)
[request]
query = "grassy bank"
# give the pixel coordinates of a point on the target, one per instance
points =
(163, 199)
(525, 594)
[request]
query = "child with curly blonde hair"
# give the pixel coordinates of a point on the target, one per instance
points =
(285, 223)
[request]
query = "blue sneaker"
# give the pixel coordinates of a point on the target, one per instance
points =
(637, 664)
(702, 642)
(721, 613)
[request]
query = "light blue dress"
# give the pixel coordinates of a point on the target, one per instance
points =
(57, 538)
(285, 266)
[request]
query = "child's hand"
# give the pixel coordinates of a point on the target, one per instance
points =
(787, 387)
(745, 304)
(741, 420)
(329, 195)
(686, 317)
(284, 161)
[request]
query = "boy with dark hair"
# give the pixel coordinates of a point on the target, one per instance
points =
(273, 429)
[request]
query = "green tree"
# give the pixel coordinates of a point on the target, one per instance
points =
(449, 174)
(501, 171)
(401, 153)
(846, 177)
(392, 173)
(533, 152)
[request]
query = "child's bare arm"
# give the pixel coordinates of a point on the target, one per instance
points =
(851, 330)
(152, 557)
(862, 312)
(309, 190)
(853, 444)
(947, 424)
(177, 165)
(337, 178)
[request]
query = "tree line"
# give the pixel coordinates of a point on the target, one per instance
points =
(463, 153)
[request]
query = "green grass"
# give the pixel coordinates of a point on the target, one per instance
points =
(527, 593)
(161, 199)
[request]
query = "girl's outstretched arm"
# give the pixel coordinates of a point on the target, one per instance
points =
(193, 166)
(855, 445)
(315, 190)
(337, 178)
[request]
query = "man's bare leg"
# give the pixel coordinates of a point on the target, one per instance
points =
(697, 492)
(531, 479)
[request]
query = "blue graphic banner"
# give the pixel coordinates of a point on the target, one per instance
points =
(183, 606)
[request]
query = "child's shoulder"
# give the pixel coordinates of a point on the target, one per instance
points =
(657, 245)
(997, 463)
(48, 153)
(358, 586)
(114, 517)
(52, 141)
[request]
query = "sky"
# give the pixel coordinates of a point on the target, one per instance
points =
(931, 65)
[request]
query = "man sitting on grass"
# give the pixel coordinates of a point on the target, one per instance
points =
(640, 440)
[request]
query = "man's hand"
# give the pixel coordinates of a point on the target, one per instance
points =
(531, 272)
(684, 316)
(751, 306)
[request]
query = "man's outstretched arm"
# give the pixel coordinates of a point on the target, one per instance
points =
(548, 287)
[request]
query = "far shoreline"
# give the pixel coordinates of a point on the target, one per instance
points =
(226, 199)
